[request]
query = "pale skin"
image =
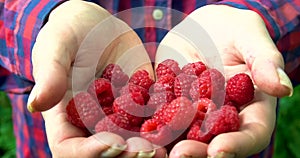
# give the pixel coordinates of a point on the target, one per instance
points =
(245, 49)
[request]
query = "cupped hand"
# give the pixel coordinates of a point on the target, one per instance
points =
(238, 41)
(77, 42)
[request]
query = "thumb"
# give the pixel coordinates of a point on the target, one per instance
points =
(55, 49)
(51, 64)
(269, 76)
(265, 62)
(50, 87)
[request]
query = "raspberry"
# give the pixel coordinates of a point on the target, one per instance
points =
(240, 89)
(182, 84)
(83, 111)
(209, 83)
(130, 106)
(164, 83)
(228, 101)
(156, 132)
(158, 99)
(135, 129)
(114, 123)
(225, 119)
(105, 99)
(132, 88)
(103, 90)
(168, 66)
(159, 114)
(195, 133)
(179, 113)
(194, 68)
(107, 110)
(115, 74)
(141, 78)
(203, 106)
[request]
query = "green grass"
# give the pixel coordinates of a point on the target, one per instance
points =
(287, 140)
(7, 139)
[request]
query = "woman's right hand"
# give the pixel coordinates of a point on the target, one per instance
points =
(61, 48)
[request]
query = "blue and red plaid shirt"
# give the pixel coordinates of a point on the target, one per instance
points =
(21, 20)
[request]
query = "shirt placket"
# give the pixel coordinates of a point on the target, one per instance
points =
(156, 18)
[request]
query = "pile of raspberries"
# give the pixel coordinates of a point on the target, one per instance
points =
(193, 102)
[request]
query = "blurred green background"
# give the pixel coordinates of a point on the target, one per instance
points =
(287, 142)
(7, 139)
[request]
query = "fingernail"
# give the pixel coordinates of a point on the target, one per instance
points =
(285, 80)
(184, 156)
(223, 155)
(113, 150)
(31, 100)
(30, 108)
(143, 154)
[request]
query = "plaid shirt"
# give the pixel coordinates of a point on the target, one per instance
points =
(21, 20)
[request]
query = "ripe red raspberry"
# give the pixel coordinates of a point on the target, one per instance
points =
(164, 83)
(240, 89)
(182, 84)
(132, 88)
(225, 119)
(196, 133)
(209, 83)
(195, 68)
(168, 66)
(159, 113)
(115, 74)
(156, 132)
(141, 78)
(130, 106)
(114, 123)
(102, 88)
(158, 99)
(203, 106)
(179, 113)
(107, 110)
(83, 111)
(227, 101)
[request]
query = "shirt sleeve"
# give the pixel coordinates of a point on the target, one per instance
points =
(281, 16)
(20, 22)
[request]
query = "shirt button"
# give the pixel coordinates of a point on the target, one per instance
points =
(157, 14)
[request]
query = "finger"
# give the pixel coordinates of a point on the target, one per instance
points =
(51, 63)
(263, 59)
(54, 51)
(160, 152)
(55, 48)
(257, 124)
(189, 148)
(102, 144)
(138, 147)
